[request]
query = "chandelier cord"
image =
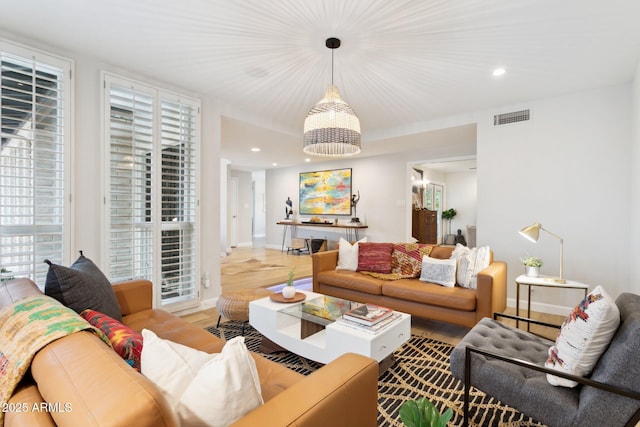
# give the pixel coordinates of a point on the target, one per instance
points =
(332, 66)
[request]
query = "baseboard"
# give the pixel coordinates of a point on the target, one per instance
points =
(539, 307)
(244, 244)
(204, 305)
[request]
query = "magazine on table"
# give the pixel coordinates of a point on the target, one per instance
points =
(368, 314)
(372, 329)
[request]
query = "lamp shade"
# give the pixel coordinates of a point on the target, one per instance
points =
(531, 232)
(332, 128)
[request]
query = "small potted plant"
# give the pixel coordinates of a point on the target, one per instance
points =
(449, 214)
(289, 291)
(422, 413)
(532, 266)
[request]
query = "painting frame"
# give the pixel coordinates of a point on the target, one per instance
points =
(326, 192)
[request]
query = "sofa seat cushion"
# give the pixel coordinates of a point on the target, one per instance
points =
(102, 389)
(351, 280)
(455, 298)
(173, 328)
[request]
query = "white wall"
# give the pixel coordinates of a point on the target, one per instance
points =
(259, 208)
(634, 230)
(385, 192)
(568, 169)
(461, 194)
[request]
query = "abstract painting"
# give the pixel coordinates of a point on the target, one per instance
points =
(325, 192)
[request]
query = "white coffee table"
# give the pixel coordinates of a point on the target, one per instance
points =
(276, 322)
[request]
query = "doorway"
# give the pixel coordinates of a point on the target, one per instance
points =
(446, 184)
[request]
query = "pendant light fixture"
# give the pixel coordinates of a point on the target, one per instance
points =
(332, 128)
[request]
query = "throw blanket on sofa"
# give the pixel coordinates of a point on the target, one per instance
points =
(26, 326)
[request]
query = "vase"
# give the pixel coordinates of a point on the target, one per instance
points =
(532, 271)
(289, 292)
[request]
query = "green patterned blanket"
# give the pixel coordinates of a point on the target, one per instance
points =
(26, 326)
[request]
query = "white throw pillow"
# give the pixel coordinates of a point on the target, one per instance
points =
(470, 263)
(584, 336)
(348, 254)
(203, 388)
(169, 365)
(440, 271)
(226, 388)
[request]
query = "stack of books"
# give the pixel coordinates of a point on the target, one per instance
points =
(369, 318)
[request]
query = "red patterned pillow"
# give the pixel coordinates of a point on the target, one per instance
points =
(407, 258)
(124, 340)
(375, 257)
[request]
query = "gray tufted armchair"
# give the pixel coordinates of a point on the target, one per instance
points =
(508, 364)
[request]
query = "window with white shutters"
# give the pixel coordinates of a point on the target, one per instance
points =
(34, 166)
(152, 198)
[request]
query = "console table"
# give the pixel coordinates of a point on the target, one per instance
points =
(351, 230)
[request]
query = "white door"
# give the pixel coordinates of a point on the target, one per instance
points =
(233, 212)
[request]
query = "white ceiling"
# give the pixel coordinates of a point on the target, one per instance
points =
(402, 62)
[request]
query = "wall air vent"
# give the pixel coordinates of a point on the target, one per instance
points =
(506, 118)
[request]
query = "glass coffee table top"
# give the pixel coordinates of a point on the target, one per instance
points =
(321, 310)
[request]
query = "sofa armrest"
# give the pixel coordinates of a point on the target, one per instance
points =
(323, 261)
(134, 295)
(491, 294)
(343, 393)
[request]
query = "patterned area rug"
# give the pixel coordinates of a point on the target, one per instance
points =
(421, 370)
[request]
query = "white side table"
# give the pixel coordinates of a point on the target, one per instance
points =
(545, 281)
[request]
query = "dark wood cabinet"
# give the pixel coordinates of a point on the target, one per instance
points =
(424, 226)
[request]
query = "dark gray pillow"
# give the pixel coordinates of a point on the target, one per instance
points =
(82, 286)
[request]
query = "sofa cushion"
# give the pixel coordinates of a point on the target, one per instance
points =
(406, 261)
(584, 336)
(124, 340)
(469, 262)
(175, 329)
(455, 298)
(206, 402)
(375, 257)
(440, 271)
(101, 389)
(82, 286)
(351, 280)
(348, 254)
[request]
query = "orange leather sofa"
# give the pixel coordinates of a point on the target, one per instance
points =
(456, 305)
(79, 372)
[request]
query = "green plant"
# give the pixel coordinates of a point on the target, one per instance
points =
(291, 276)
(422, 413)
(449, 214)
(531, 261)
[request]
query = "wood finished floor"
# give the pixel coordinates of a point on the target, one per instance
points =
(302, 263)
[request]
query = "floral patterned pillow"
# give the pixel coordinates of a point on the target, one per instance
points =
(124, 340)
(584, 336)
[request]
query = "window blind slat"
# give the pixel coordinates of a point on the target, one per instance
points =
(32, 177)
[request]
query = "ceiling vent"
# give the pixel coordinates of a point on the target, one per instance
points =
(506, 118)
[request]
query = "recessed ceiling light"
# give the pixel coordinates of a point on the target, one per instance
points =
(255, 149)
(499, 71)
(307, 160)
(274, 164)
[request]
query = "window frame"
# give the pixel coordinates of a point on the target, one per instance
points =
(67, 66)
(159, 96)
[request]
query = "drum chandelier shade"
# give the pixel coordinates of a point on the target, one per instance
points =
(332, 128)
